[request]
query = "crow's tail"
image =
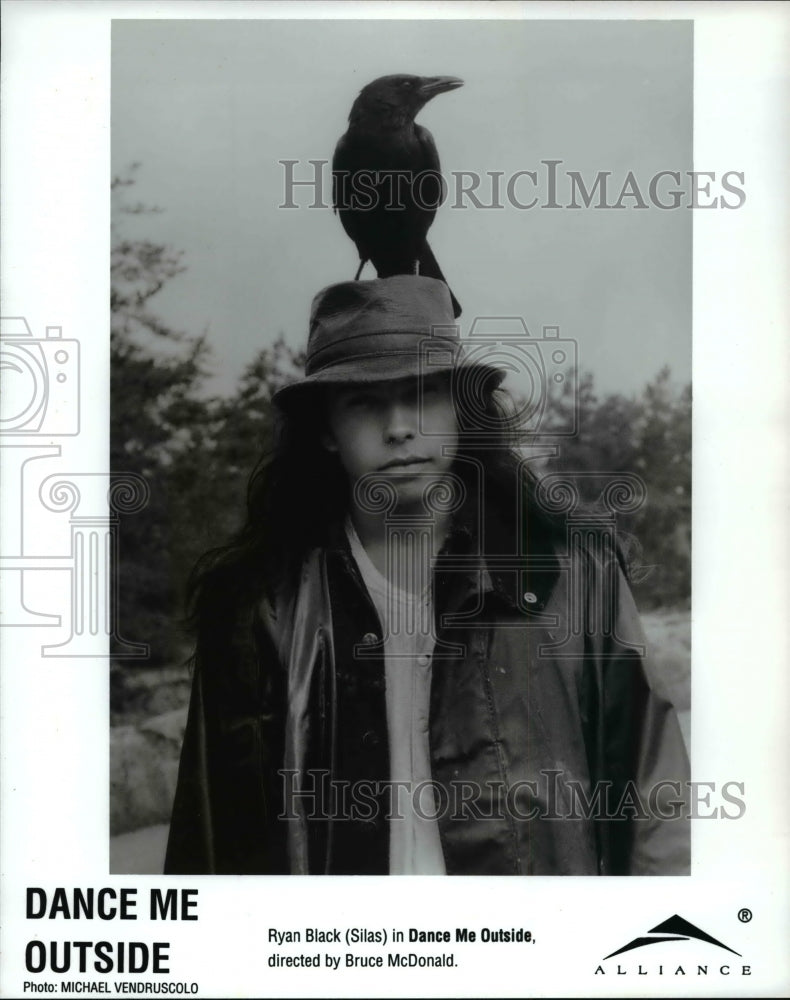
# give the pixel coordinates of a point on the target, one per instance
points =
(403, 262)
(429, 268)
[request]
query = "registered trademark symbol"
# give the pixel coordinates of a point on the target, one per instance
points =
(744, 915)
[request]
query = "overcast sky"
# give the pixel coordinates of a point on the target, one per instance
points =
(208, 108)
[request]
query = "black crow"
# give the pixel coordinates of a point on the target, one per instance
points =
(386, 182)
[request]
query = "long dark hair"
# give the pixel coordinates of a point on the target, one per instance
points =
(298, 491)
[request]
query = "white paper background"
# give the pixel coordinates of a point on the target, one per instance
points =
(55, 205)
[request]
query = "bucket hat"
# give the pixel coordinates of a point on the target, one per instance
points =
(382, 329)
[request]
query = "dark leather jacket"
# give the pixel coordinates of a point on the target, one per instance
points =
(549, 738)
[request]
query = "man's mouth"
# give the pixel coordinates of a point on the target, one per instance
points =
(403, 463)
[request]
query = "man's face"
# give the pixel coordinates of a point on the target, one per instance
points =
(407, 438)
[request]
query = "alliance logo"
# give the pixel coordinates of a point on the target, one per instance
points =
(675, 929)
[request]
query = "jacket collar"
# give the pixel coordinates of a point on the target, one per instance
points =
(495, 568)
(471, 566)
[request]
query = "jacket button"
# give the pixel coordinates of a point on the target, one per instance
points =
(530, 598)
(369, 639)
(423, 660)
(370, 739)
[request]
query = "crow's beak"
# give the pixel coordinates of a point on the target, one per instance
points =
(433, 85)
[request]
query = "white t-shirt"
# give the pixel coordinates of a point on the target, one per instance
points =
(406, 618)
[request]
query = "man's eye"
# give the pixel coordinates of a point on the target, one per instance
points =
(363, 400)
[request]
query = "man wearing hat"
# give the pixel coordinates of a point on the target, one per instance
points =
(400, 667)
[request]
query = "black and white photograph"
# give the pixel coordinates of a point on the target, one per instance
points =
(386, 479)
(416, 644)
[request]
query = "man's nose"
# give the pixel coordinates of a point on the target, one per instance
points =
(400, 423)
